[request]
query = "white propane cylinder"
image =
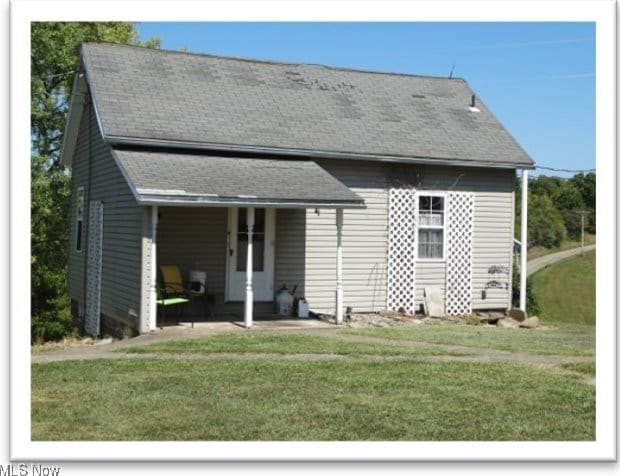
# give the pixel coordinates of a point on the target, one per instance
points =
(284, 302)
(303, 309)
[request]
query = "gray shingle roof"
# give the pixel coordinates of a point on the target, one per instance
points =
(159, 95)
(166, 177)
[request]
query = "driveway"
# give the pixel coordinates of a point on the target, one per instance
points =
(539, 263)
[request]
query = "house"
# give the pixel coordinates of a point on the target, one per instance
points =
(363, 189)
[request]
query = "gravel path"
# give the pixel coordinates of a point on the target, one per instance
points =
(539, 263)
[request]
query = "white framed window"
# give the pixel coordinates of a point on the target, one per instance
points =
(431, 243)
(79, 220)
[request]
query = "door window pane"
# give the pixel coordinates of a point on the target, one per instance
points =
(258, 240)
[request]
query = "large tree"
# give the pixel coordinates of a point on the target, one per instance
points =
(54, 59)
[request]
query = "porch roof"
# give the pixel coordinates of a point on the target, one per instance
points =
(182, 178)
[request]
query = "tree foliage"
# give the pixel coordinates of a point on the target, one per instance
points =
(553, 204)
(54, 57)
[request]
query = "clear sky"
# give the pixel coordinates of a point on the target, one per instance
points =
(537, 78)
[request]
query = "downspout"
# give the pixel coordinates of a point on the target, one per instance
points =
(523, 270)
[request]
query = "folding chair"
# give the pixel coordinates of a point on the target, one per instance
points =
(172, 293)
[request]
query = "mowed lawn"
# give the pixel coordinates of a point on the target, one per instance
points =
(322, 388)
(566, 291)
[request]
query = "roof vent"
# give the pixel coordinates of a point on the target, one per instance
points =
(418, 96)
(472, 104)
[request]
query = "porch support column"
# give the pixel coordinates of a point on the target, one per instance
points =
(339, 294)
(153, 286)
(249, 293)
(523, 285)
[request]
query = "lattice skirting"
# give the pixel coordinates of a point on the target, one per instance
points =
(459, 253)
(402, 218)
(93, 269)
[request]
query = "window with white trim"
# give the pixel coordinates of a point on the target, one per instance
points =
(79, 219)
(431, 227)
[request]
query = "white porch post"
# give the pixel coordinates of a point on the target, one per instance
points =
(153, 294)
(249, 293)
(522, 295)
(339, 296)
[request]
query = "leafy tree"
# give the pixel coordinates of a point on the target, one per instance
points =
(54, 56)
(543, 185)
(545, 222)
(586, 184)
(552, 205)
(568, 200)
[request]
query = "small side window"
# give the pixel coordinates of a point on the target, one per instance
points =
(431, 227)
(79, 218)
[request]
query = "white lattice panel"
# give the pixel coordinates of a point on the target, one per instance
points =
(93, 269)
(459, 253)
(401, 249)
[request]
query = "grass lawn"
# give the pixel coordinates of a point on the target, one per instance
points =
(268, 399)
(581, 367)
(279, 343)
(223, 399)
(566, 291)
(561, 339)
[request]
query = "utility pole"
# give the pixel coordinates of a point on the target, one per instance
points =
(583, 214)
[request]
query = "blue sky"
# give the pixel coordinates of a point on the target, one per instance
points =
(537, 78)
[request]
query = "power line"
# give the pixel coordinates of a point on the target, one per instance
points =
(566, 170)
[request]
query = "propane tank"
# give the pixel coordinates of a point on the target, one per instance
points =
(284, 301)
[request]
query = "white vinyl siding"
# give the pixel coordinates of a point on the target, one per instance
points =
(364, 240)
(365, 235)
(195, 239)
(121, 247)
(492, 237)
(290, 250)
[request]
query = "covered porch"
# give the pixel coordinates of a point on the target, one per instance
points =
(240, 222)
(233, 261)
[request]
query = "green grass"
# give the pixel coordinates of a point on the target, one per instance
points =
(566, 291)
(538, 251)
(563, 339)
(278, 343)
(145, 399)
(587, 368)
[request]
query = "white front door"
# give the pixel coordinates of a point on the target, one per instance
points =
(263, 253)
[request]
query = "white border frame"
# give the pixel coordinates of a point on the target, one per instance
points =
(603, 12)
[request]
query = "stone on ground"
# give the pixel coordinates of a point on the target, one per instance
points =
(433, 302)
(531, 323)
(508, 322)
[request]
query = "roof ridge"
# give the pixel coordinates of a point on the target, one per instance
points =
(276, 62)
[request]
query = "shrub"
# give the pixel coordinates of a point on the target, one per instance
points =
(531, 303)
(53, 325)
